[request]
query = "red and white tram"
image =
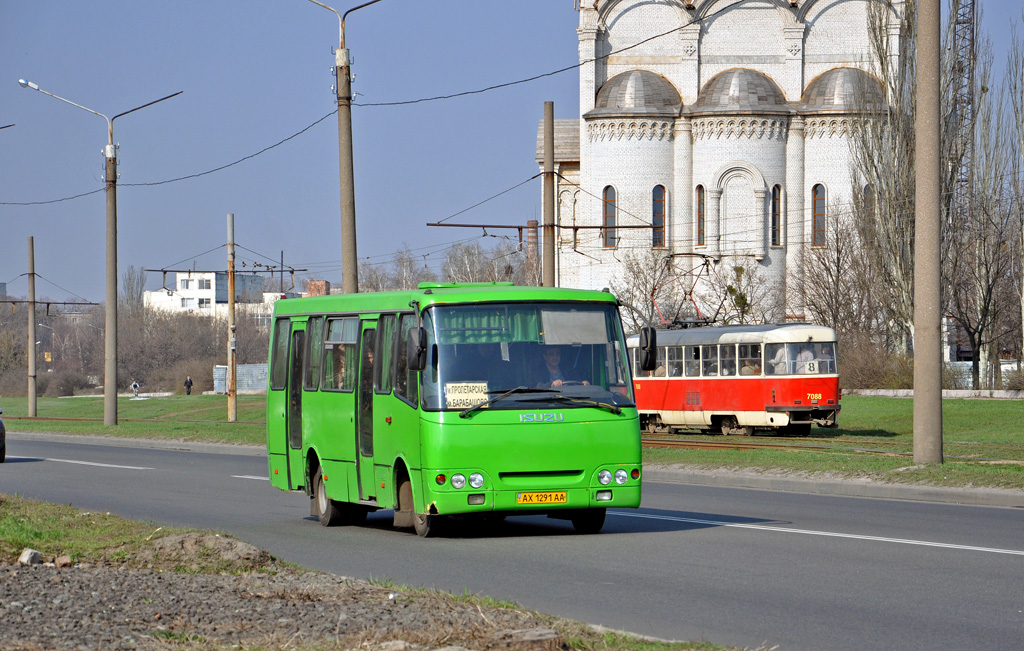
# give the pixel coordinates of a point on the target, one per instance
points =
(738, 379)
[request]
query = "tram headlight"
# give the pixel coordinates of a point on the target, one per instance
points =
(458, 481)
(605, 477)
(621, 476)
(476, 480)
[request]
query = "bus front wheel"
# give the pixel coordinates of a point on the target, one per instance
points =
(588, 521)
(424, 524)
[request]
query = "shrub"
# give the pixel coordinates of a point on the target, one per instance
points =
(64, 383)
(1014, 381)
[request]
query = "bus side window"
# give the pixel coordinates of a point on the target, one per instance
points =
(341, 354)
(384, 357)
(279, 358)
(405, 380)
(314, 353)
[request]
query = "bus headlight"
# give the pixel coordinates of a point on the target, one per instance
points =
(458, 481)
(476, 480)
(620, 476)
(605, 477)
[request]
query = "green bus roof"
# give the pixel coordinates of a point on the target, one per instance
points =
(435, 293)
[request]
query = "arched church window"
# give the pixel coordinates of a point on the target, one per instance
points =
(869, 200)
(818, 226)
(776, 225)
(658, 216)
(700, 216)
(610, 211)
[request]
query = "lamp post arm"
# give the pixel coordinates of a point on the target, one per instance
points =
(110, 123)
(341, 22)
(365, 4)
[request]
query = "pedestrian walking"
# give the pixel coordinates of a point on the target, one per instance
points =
(188, 385)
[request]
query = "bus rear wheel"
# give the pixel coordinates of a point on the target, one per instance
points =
(588, 521)
(326, 509)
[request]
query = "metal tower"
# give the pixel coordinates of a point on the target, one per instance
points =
(964, 51)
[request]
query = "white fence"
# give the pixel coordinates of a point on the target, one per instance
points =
(249, 378)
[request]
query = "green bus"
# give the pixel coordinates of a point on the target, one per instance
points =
(476, 399)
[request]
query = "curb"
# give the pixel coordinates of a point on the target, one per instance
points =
(848, 488)
(152, 444)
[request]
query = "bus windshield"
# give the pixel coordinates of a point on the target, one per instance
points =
(550, 351)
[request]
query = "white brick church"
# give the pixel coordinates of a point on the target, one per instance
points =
(727, 135)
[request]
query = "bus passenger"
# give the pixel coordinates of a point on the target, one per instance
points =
(750, 368)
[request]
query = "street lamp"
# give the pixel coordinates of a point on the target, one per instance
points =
(110, 340)
(343, 77)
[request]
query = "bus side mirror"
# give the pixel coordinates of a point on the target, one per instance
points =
(648, 348)
(417, 349)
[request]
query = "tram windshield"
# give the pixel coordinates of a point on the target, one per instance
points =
(541, 355)
(807, 358)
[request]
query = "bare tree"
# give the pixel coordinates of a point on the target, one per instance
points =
(835, 281)
(1015, 89)
(747, 294)
(978, 259)
(649, 289)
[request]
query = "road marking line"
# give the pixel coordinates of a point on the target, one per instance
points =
(830, 534)
(250, 477)
(90, 463)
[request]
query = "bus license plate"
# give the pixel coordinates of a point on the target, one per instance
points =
(541, 498)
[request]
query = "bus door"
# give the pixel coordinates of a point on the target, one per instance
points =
(364, 419)
(296, 475)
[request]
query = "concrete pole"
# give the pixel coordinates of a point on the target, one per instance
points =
(349, 261)
(548, 263)
(232, 396)
(110, 331)
(927, 294)
(31, 327)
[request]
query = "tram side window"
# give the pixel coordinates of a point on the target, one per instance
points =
(405, 380)
(691, 361)
(660, 370)
(727, 354)
(342, 351)
(279, 359)
(637, 371)
(777, 359)
(675, 361)
(709, 364)
(314, 352)
(750, 359)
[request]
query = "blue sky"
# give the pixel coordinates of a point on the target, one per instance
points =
(255, 72)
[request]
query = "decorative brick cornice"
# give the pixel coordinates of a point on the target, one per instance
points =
(621, 129)
(760, 128)
(831, 126)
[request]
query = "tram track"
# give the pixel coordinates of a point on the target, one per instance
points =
(737, 444)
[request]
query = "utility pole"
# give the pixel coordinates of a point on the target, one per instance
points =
(31, 327)
(343, 88)
(927, 233)
(110, 330)
(548, 262)
(232, 343)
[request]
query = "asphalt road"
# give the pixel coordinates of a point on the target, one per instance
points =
(732, 566)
